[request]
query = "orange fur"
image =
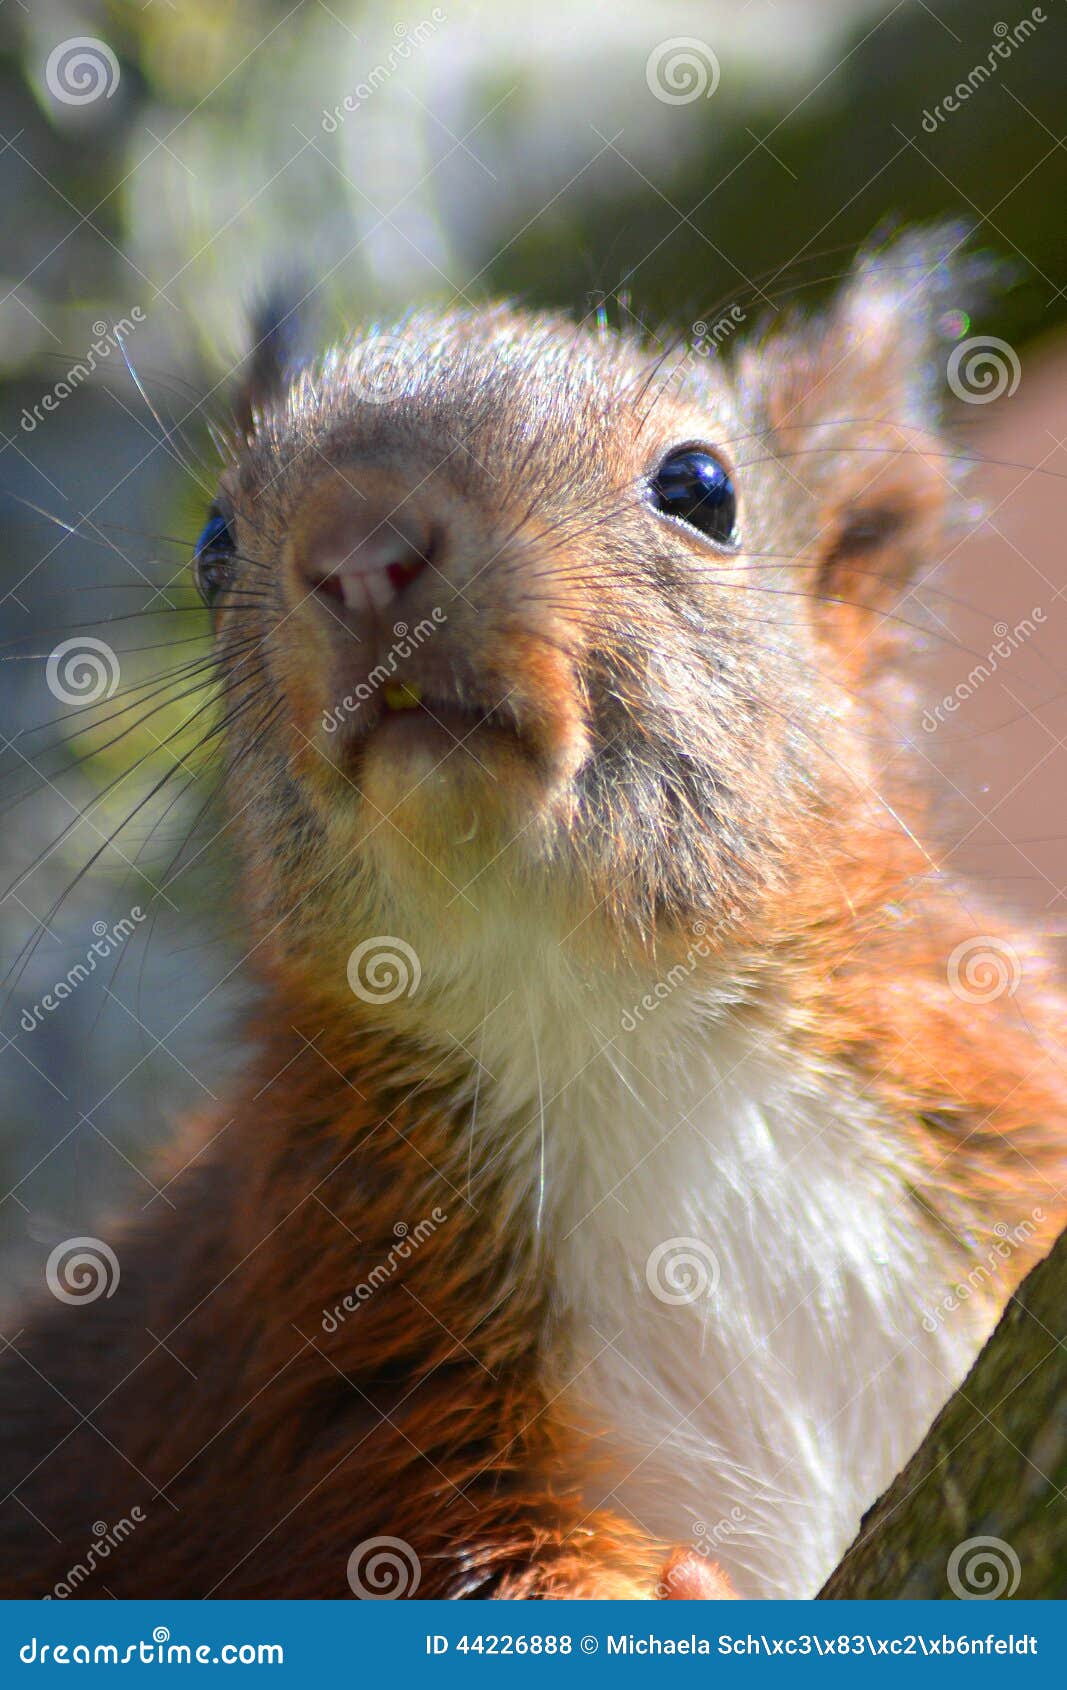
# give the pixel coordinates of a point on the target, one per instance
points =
(637, 782)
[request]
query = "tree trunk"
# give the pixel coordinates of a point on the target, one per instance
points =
(981, 1508)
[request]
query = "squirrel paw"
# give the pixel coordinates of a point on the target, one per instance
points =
(689, 1577)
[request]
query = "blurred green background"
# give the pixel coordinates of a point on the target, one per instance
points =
(485, 149)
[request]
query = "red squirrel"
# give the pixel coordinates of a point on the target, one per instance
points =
(627, 1097)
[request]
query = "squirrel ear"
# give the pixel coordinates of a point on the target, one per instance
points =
(857, 411)
(277, 354)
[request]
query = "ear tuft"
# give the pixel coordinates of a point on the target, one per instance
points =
(855, 400)
(901, 311)
(881, 350)
(279, 351)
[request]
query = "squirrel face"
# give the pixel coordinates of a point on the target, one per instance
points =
(502, 598)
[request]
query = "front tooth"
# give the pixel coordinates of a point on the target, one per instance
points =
(402, 695)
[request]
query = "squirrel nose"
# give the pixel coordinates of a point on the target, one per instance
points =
(364, 560)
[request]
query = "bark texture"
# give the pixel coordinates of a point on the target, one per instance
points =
(981, 1508)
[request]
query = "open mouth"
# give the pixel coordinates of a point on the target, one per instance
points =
(410, 702)
(408, 711)
(406, 715)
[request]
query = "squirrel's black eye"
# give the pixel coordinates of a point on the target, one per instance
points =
(213, 558)
(695, 487)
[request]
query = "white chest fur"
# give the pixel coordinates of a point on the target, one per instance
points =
(741, 1278)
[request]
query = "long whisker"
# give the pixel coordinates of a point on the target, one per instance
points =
(24, 955)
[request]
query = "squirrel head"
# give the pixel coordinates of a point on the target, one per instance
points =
(516, 614)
